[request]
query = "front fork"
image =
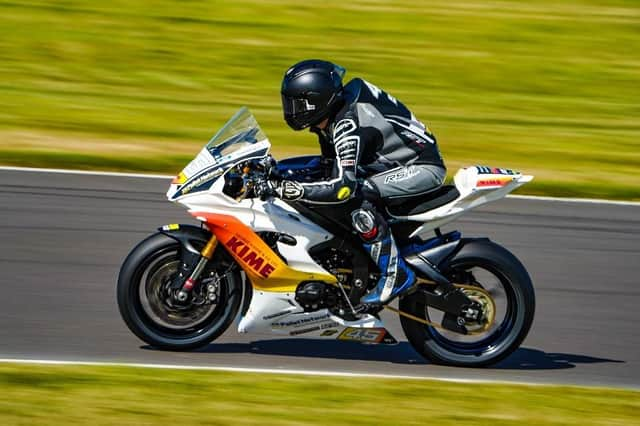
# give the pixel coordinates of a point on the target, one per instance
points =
(205, 255)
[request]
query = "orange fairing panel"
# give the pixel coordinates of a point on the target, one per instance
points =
(265, 269)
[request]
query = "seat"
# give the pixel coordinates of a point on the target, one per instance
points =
(409, 206)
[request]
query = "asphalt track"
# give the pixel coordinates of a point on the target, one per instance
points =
(63, 237)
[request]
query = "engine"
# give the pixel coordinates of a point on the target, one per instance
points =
(316, 295)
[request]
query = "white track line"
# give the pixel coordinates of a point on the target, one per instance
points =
(152, 176)
(270, 371)
(575, 200)
(84, 172)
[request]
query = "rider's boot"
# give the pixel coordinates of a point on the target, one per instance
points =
(395, 276)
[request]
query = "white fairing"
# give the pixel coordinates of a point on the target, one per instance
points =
(200, 185)
(280, 314)
(272, 215)
(477, 185)
(275, 311)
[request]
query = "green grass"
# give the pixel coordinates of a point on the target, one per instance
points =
(62, 395)
(550, 88)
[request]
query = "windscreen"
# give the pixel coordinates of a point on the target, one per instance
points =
(239, 139)
(240, 132)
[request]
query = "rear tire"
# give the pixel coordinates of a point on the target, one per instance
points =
(501, 339)
(141, 300)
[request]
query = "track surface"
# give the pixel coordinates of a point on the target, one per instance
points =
(63, 237)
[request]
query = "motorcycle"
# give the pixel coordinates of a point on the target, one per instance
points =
(294, 269)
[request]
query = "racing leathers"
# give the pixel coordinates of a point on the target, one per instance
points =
(375, 140)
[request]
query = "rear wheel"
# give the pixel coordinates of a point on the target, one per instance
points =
(487, 265)
(147, 308)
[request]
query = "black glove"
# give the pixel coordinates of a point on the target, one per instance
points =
(290, 190)
(266, 189)
(286, 189)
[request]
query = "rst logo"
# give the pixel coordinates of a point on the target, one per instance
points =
(250, 257)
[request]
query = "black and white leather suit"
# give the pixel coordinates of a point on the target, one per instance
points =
(380, 153)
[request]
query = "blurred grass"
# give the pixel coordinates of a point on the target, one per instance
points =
(550, 88)
(61, 395)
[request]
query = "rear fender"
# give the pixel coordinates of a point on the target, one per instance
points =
(433, 260)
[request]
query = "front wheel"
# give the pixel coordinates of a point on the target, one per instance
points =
(147, 309)
(485, 264)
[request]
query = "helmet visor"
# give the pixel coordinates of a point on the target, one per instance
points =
(296, 106)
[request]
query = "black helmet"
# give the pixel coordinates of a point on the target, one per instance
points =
(311, 91)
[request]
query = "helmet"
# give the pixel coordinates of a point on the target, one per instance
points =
(311, 91)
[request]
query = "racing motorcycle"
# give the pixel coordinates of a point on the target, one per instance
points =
(292, 268)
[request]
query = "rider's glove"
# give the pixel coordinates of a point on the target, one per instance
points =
(287, 190)
(290, 190)
(266, 189)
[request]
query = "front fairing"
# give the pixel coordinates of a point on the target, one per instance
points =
(240, 139)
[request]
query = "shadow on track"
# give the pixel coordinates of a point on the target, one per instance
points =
(402, 353)
(534, 359)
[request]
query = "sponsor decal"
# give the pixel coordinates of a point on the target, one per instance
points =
(493, 182)
(171, 227)
(303, 331)
(347, 163)
(250, 257)
(329, 332)
(272, 316)
(201, 180)
(301, 321)
(317, 328)
(369, 335)
(402, 175)
(203, 160)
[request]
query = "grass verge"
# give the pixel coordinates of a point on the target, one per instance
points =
(57, 395)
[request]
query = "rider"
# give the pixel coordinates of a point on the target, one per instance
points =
(370, 136)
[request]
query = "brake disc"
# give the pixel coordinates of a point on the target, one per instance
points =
(477, 294)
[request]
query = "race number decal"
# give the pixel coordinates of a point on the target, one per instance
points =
(375, 91)
(371, 335)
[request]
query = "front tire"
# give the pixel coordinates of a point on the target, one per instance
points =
(510, 286)
(143, 305)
